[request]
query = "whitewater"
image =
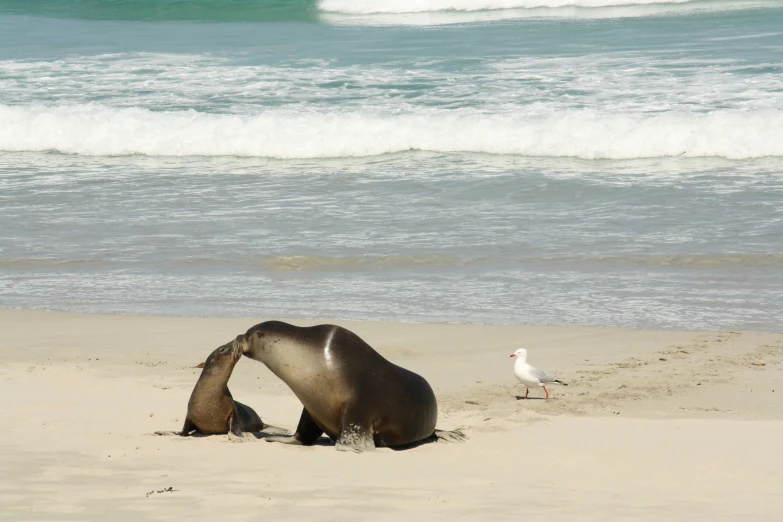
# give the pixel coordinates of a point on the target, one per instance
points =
(601, 162)
(417, 6)
(286, 134)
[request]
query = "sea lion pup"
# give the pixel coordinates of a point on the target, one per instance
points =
(348, 390)
(211, 409)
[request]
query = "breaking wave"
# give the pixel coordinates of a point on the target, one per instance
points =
(97, 130)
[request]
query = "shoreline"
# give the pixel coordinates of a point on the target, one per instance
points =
(84, 393)
(326, 320)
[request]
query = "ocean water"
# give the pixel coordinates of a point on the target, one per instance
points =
(573, 162)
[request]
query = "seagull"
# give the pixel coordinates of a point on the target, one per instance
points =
(531, 376)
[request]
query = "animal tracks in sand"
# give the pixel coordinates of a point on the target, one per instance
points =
(709, 360)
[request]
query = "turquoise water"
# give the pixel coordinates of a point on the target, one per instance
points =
(160, 10)
(498, 161)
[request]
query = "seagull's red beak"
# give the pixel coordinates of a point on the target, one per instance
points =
(513, 355)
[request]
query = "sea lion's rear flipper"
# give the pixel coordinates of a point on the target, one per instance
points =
(356, 431)
(248, 418)
(234, 428)
(274, 430)
(450, 436)
(307, 432)
(284, 439)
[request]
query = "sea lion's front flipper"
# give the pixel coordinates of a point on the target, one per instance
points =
(355, 431)
(450, 436)
(187, 428)
(307, 432)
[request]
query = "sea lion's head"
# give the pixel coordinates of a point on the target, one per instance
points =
(266, 341)
(259, 339)
(225, 356)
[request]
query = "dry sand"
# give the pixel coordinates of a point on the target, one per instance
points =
(653, 425)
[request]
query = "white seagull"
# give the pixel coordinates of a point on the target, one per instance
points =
(531, 376)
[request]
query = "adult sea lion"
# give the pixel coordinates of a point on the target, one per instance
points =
(211, 408)
(348, 390)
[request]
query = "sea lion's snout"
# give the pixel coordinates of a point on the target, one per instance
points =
(241, 345)
(235, 349)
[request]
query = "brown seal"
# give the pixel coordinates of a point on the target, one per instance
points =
(348, 390)
(211, 409)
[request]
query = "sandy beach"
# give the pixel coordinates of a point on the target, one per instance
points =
(598, 182)
(653, 425)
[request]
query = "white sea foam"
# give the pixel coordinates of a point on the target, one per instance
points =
(444, 12)
(284, 133)
(626, 82)
(421, 6)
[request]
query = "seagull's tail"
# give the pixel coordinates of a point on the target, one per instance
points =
(560, 382)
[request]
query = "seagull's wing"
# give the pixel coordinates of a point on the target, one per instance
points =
(541, 376)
